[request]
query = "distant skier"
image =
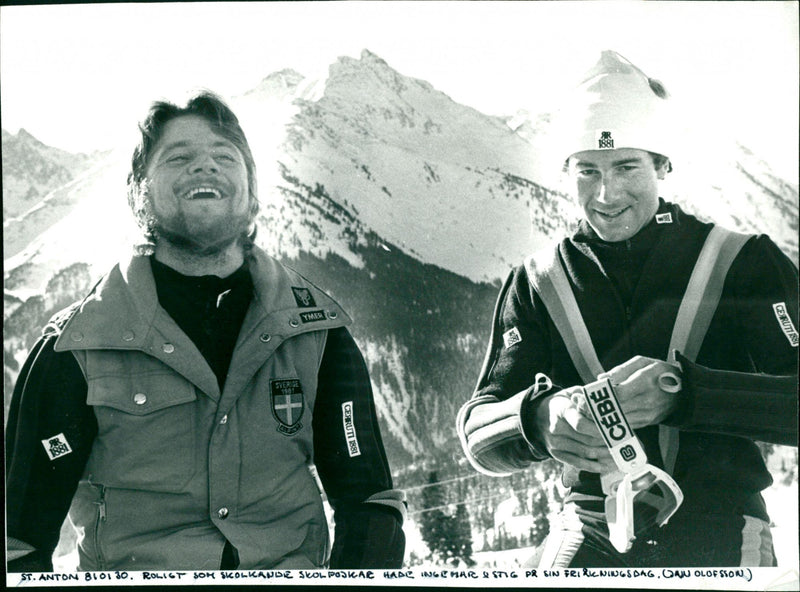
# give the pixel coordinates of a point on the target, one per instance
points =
(179, 407)
(700, 368)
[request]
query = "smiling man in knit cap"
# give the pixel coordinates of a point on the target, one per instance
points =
(646, 353)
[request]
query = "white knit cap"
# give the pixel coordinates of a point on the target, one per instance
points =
(616, 106)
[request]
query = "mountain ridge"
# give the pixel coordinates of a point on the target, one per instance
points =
(408, 207)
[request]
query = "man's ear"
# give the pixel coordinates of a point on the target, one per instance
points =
(663, 169)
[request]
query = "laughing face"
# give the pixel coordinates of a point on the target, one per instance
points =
(617, 189)
(197, 187)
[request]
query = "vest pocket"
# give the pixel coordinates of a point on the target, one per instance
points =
(146, 431)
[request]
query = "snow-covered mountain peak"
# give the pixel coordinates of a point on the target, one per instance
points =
(278, 85)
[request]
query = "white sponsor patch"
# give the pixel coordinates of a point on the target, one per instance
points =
(665, 218)
(511, 337)
(786, 323)
(350, 429)
(56, 446)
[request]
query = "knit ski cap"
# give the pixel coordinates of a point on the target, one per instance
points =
(615, 106)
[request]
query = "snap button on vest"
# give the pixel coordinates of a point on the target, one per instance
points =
(294, 323)
(76, 336)
(128, 336)
(265, 337)
(140, 398)
(333, 314)
(222, 513)
(224, 419)
(168, 348)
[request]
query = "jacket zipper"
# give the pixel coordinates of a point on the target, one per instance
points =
(98, 528)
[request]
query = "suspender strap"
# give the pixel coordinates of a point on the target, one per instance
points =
(697, 308)
(704, 290)
(550, 281)
(695, 313)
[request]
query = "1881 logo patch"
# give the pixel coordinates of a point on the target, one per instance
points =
(56, 446)
(287, 404)
(511, 337)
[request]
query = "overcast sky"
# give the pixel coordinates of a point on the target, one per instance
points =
(79, 76)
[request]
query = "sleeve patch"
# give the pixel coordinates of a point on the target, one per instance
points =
(511, 337)
(350, 429)
(56, 446)
(786, 323)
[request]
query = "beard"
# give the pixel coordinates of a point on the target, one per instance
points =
(202, 239)
(198, 239)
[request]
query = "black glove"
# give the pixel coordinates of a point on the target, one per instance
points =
(368, 536)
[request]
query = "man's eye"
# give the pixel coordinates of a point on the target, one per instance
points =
(177, 158)
(225, 157)
(627, 167)
(586, 172)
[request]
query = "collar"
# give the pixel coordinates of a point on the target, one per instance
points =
(123, 312)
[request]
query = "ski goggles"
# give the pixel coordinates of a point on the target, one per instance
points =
(637, 485)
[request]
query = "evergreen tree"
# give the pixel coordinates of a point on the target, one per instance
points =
(462, 544)
(449, 537)
(433, 521)
(539, 510)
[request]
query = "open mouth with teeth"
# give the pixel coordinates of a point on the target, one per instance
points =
(613, 214)
(203, 193)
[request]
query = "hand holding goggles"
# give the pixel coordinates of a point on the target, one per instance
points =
(636, 481)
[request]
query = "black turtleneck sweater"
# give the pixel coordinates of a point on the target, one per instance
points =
(209, 309)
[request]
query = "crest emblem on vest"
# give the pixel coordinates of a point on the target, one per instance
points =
(605, 140)
(287, 404)
(303, 297)
(665, 218)
(56, 446)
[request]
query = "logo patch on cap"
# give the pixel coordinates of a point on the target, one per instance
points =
(787, 326)
(604, 140)
(665, 218)
(511, 337)
(56, 446)
(303, 297)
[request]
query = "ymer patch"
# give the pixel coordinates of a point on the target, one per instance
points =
(287, 404)
(787, 326)
(511, 337)
(303, 297)
(56, 446)
(350, 429)
(312, 316)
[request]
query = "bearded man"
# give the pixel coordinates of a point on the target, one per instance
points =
(180, 411)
